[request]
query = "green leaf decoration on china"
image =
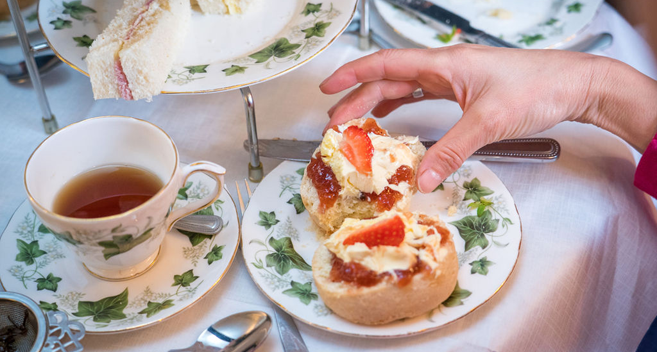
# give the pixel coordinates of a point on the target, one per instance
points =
(311, 8)
(551, 21)
(267, 219)
(214, 254)
(197, 69)
(155, 307)
(285, 257)
(60, 23)
(297, 202)
(233, 69)
(302, 291)
(531, 39)
(185, 279)
(195, 238)
(83, 41)
(481, 205)
(280, 49)
(76, 9)
(205, 211)
(318, 30)
(480, 266)
(301, 171)
(440, 187)
(48, 283)
(104, 310)
(182, 193)
(32, 17)
(457, 297)
(48, 307)
(473, 229)
(123, 243)
(474, 190)
(575, 7)
(447, 37)
(28, 252)
(64, 236)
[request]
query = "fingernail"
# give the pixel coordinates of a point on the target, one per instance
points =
(428, 180)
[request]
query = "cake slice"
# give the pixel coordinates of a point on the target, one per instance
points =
(133, 56)
(224, 7)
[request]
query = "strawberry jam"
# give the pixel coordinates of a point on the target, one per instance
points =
(370, 126)
(403, 174)
(444, 233)
(324, 180)
(359, 275)
(384, 201)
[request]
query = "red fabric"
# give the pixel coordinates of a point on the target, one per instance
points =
(645, 177)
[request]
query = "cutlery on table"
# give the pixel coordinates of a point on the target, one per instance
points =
(18, 72)
(530, 150)
(592, 43)
(241, 332)
(205, 224)
(287, 329)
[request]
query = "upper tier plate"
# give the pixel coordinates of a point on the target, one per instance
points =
(220, 52)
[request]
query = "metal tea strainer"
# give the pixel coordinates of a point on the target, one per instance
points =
(25, 328)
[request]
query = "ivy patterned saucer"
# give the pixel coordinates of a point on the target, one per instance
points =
(220, 52)
(29, 13)
(35, 263)
(279, 241)
(534, 24)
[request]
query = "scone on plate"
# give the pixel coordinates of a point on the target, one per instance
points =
(359, 171)
(395, 266)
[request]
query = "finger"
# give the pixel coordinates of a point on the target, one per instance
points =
(362, 99)
(469, 134)
(392, 64)
(387, 106)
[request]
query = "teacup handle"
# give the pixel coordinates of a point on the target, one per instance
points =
(211, 169)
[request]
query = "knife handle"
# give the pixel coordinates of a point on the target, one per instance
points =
(487, 39)
(531, 150)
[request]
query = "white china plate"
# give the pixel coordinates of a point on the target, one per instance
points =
(275, 218)
(532, 24)
(220, 52)
(57, 280)
(29, 13)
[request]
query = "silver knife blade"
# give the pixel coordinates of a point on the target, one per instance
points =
(508, 150)
(290, 337)
(449, 18)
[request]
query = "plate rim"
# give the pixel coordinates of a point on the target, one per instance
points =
(215, 90)
(383, 337)
(154, 322)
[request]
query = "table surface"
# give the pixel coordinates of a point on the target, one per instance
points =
(584, 280)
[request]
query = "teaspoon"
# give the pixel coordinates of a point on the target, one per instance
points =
(205, 224)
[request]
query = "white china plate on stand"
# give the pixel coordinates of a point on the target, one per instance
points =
(277, 226)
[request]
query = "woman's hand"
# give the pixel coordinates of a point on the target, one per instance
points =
(504, 93)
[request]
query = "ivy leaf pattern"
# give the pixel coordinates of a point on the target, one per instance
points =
(457, 297)
(123, 243)
(301, 171)
(185, 279)
(480, 266)
(297, 202)
(48, 307)
(195, 238)
(531, 39)
(197, 69)
(551, 21)
(302, 291)
(233, 69)
(267, 219)
(473, 229)
(311, 8)
(474, 190)
(280, 49)
(182, 193)
(318, 30)
(285, 257)
(60, 23)
(447, 37)
(64, 236)
(28, 252)
(76, 9)
(83, 41)
(575, 7)
(104, 310)
(214, 254)
(48, 283)
(440, 187)
(153, 308)
(205, 211)
(33, 17)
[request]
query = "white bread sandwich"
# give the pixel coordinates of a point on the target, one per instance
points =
(133, 56)
(360, 171)
(398, 265)
(224, 7)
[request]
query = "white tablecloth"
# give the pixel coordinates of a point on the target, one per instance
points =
(585, 277)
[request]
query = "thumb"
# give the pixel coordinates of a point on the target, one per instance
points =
(449, 153)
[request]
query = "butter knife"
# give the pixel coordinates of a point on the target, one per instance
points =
(449, 18)
(525, 150)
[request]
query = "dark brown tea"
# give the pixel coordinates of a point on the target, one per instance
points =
(106, 191)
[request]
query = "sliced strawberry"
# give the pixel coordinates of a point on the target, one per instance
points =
(357, 148)
(388, 232)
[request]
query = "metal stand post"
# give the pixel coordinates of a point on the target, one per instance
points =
(255, 166)
(364, 33)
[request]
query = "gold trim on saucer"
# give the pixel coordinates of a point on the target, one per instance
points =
(152, 264)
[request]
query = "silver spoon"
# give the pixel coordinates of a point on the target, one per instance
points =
(205, 224)
(18, 72)
(239, 332)
(594, 42)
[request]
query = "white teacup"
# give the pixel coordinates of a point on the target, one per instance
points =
(125, 245)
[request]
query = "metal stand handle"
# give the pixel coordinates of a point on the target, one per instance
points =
(364, 32)
(255, 166)
(49, 121)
